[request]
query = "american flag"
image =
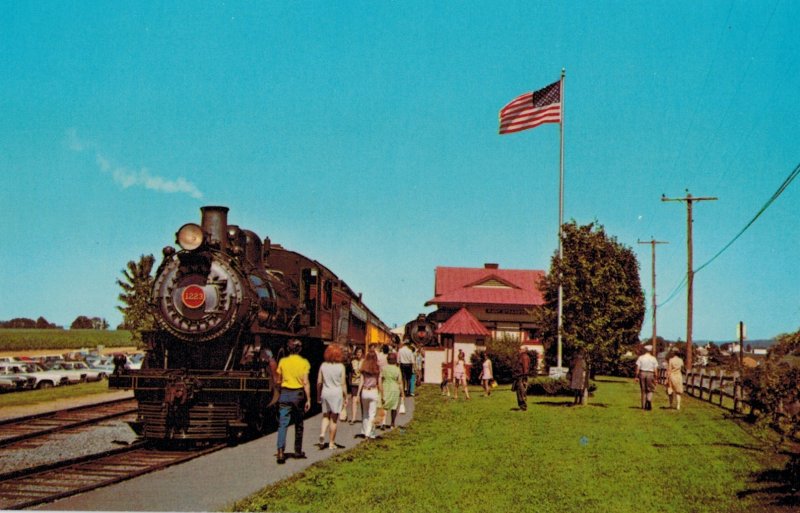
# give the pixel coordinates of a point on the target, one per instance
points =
(532, 109)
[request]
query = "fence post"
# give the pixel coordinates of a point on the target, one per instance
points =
(722, 391)
(702, 380)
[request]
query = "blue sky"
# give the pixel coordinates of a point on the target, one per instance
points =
(364, 134)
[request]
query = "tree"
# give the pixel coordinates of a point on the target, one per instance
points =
(603, 300)
(81, 322)
(136, 289)
(88, 323)
(42, 324)
(20, 323)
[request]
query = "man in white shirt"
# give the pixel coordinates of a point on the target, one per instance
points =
(405, 357)
(646, 368)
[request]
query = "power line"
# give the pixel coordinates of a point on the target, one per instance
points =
(775, 195)
(769, 202)
(674, 292)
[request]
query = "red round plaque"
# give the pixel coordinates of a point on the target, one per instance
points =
(193, 296)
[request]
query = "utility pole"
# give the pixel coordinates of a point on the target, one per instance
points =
(689, 199)
(653, 243)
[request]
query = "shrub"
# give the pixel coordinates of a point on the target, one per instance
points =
(622, 368)
(774, 386)
(553, 386)
(503, 353)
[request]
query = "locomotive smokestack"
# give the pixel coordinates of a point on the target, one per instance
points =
(215, 224)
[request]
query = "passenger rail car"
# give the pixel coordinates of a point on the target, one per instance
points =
(226, 303)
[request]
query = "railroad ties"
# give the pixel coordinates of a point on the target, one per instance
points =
(22, 428)
(29, 487)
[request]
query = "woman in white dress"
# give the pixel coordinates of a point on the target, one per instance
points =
(331, 393)
(486, 374)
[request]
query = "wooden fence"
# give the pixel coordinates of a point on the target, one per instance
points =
(718, 387)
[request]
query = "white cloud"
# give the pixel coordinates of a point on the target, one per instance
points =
(129, 178)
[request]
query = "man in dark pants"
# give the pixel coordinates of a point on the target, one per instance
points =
(521, 369)
(405, 357)
(295, 398)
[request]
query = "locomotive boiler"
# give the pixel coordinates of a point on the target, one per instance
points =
(226, 303)
(421, 332)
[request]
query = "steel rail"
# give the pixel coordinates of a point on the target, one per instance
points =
(31, 426)
(46, 483)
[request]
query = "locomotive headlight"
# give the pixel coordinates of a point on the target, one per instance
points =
(189, 236)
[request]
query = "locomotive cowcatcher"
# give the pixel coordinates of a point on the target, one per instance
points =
(226, 304)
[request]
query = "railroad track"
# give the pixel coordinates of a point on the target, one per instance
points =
(46, 483)
(23, 428)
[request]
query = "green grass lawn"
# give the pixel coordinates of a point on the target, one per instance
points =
(53, 394)
(483, 456)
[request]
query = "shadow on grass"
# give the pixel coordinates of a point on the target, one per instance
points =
(617, 381)
(753, 448)
(782, 485)
(569, 404)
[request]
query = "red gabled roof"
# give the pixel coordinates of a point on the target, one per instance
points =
(469, 285)
(463, 323)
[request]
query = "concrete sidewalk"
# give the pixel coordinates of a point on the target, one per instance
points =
(214, 482)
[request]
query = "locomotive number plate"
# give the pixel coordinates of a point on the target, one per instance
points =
(193, 296)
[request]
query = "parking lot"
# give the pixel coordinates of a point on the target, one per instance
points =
(35, 372)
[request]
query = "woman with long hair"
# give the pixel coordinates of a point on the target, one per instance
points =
(331, 393)
(486, 374)
(392, 386)
(460, 375)
(369, 391)
(355, 381)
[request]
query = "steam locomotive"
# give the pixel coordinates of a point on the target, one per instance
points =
(226, 304)
(421, 332)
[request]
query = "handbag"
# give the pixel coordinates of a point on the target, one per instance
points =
(343, 414)
(402, 408)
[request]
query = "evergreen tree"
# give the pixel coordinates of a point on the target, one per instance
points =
(136, 289)
(603, 300)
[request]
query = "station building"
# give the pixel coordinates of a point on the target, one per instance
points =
(476, 305)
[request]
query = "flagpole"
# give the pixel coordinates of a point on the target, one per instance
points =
(561, 220)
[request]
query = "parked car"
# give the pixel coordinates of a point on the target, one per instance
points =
(103, 365)
(9, 370)
(44, 378)
(76, 356)
(135, 360)
(84, 371)
(73, 375)
(11, 381)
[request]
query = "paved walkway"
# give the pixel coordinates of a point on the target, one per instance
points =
(214, 482)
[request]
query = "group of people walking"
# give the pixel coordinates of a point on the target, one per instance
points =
(378, 380)
(381, 380)
(520, 372)
(646, 374)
